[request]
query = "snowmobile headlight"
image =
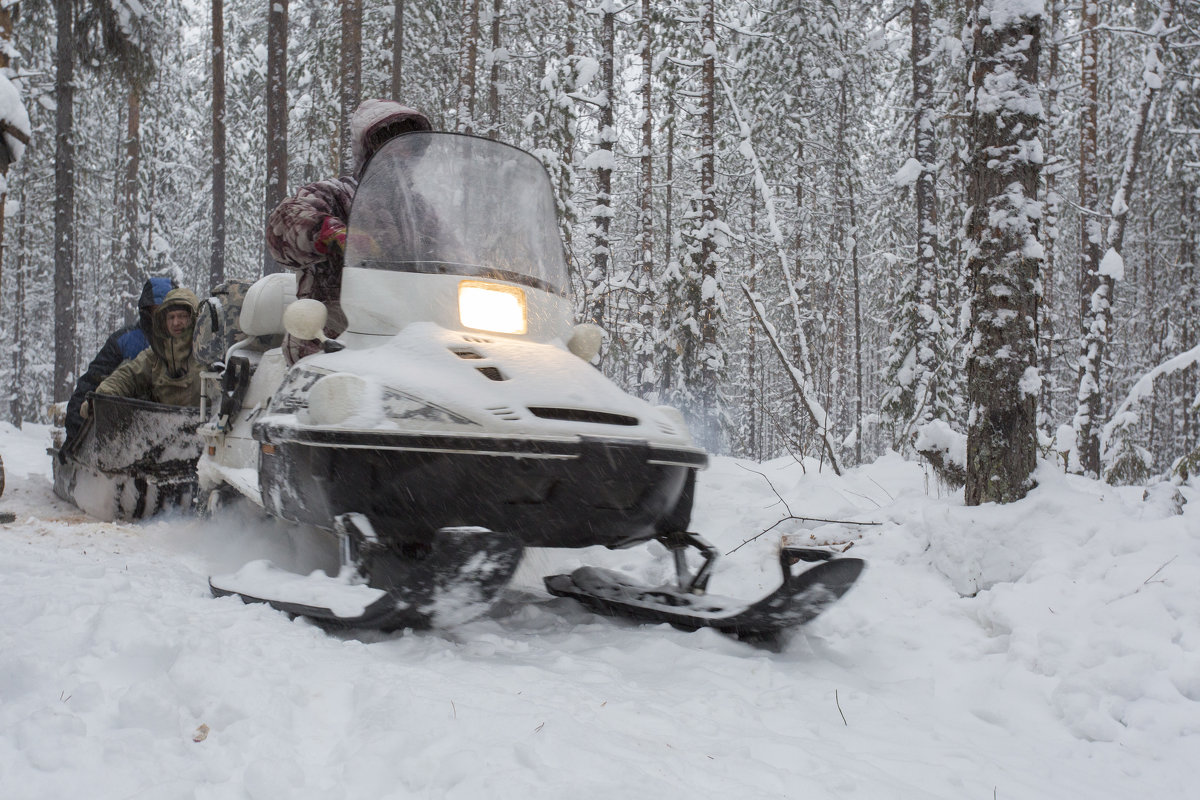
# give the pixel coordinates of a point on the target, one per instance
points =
(335, 398)
(491, 307)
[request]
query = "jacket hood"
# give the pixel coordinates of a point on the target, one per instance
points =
(154, 291)
(375, 121)
(175, 352)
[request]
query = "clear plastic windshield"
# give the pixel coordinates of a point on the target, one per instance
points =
(449, 204)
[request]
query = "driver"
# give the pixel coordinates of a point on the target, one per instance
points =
(307, 232)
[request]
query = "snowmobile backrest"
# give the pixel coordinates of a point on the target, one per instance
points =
(262, 310)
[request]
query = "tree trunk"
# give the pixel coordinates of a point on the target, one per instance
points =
(17, 406)
(601, 212)
(277, 116)
(64, 203)
(467, 56)
(496, 61)
(928, 325)
(350, 84)
(1046, 315)
(1151, 83)
(5, 43)
(1002, 381)
(129, 203)
(1095, 298)
(709, 372)
(397, 50)
(216, 267)
(754, 396)
(647, 293)
(858, 343)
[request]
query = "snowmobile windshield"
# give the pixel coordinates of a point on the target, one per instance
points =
(445, 203)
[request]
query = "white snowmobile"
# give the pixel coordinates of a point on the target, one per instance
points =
(457, 421)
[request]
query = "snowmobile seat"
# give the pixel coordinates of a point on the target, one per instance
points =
(262, 310)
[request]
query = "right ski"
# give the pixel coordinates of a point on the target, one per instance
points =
(799, 599)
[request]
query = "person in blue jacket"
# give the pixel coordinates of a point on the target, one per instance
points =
(122, 345)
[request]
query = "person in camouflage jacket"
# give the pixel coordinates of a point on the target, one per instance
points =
(168, 372)
(307, 232)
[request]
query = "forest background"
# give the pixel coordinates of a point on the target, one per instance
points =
(766, 205)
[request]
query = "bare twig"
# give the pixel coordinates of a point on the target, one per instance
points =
(1160, 569)
(839, 706)
(790, 515)
(1146, 582)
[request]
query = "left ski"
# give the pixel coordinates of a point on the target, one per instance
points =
(453, 580)
(799, 599)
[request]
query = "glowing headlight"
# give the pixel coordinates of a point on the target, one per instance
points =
(491, 307)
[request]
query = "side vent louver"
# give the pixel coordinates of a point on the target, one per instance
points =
(505, 413)
(491, 373)
(582, 415)
(465, 353)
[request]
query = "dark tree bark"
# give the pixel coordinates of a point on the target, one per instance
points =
(216, 267)
(1095, 290)
(277, 116)
(708, 375)
(494, 74)
(925, 152)
(397, 50)
(601, 211)
(1046, 315)
(129, 203)
(6, 23)
(645, 360)
(467, 57)
(351, 77)
(1002, 381)
(64, 202)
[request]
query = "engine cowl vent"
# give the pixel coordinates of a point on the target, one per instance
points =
(582, 415)
(505, 413)
(667, 428)
(462, 352)
(491, 373)
(476, 339)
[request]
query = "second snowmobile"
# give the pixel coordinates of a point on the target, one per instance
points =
(457, 421)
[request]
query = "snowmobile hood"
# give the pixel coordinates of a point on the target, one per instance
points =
(374, 122)
(430, 380)
(174, 351)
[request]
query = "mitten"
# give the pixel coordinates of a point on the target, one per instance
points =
(332, 234)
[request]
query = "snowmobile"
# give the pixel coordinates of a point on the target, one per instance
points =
(458, 421)
(130, 460)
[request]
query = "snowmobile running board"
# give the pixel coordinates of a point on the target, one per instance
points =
(453, 579)
(799, 599)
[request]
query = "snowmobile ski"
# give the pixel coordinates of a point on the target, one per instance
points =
(453, 579)
(799, 599)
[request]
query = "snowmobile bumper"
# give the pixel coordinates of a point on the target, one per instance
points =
(545, 492)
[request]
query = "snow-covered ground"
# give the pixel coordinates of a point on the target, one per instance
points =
(1048, 649)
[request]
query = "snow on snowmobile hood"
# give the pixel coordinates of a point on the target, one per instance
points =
(375, 122)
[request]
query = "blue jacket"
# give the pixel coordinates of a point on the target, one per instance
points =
(122, 345)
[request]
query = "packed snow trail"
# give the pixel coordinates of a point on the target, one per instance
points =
(1073, 671)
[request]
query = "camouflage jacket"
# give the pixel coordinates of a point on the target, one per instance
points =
(168, 371)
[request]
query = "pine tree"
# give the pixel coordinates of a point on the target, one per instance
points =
(1002, 379)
